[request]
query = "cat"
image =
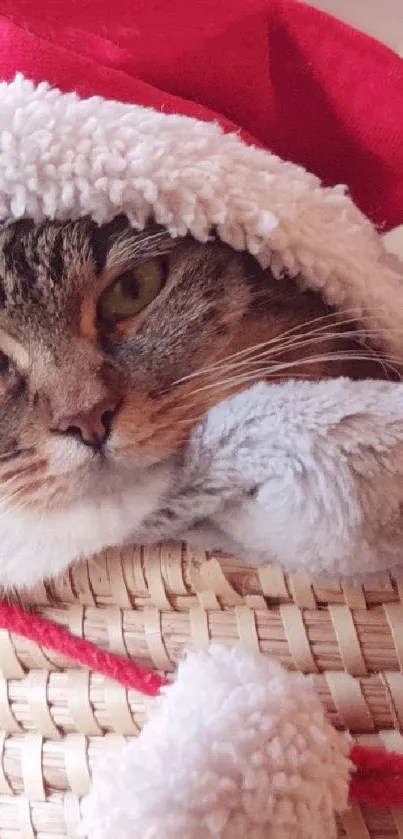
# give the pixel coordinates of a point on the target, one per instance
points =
(113, 344)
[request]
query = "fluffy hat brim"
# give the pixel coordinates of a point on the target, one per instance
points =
(64, 157)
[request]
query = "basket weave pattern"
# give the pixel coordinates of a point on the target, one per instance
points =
(150, 604)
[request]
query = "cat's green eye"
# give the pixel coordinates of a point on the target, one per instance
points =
(132, 292)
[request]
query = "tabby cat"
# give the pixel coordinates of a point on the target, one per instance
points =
(113, 344)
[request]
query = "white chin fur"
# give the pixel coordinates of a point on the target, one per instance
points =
(35, 546)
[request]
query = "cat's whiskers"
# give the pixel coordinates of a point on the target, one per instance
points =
(279, 344)
(297, 343)
(285, 367)
(261, 345)
(310, 341)
(11, 454)
(293, 336)
(274, 377)
(10, 498)
(387, 367)
(23, 482)
(300, 342)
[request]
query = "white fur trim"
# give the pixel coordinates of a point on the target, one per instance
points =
(65, 157)
(237, 749)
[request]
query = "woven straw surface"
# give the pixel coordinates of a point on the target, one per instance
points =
(150, 604)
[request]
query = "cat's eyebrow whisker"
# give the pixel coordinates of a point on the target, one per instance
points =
(124, 253)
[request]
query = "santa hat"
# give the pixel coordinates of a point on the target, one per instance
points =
(185, 112)
(208, 93)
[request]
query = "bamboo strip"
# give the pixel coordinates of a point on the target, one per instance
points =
(158, 638)
(56, 815)
(112, 708)
(153, 603)
(131, 578)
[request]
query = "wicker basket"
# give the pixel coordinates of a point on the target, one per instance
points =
(150, 604)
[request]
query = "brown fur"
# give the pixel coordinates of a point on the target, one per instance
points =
(158, 372)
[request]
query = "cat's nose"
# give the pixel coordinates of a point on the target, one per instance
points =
(93, 426)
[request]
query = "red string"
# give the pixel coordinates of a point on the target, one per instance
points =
(378, 779)
(83, 652)
(376, 761)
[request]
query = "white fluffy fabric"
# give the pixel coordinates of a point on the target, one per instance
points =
(306, 475)
(62, 157)
(236, 749)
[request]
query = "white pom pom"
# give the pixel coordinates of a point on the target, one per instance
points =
(237, 749)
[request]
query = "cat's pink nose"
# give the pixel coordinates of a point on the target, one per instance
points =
(93, 426)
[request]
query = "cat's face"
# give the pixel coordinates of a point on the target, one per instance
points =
(113, 344)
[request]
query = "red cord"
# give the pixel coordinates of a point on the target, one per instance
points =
(378, 779)
(57, 638)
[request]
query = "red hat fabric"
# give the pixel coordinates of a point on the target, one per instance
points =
(300, 83)
(187, 113)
